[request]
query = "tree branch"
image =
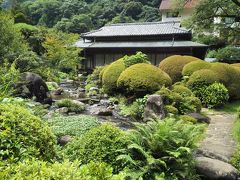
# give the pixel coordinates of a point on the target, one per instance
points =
(236, 2)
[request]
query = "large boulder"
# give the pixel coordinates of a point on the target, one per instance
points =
(215, 169)
(154, 108)
(31, 84)
(200, 118)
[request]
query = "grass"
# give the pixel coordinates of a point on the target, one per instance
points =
(231, 107)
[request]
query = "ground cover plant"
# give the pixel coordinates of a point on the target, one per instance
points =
(72, 125)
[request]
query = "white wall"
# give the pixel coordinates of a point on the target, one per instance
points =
(184, 14)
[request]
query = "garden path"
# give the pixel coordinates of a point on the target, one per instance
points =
(218, 142)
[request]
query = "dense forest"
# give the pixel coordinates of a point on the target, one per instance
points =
(78, 16)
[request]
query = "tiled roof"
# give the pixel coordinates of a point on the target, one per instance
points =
(135, 44)
(166, 4)
(137, 29)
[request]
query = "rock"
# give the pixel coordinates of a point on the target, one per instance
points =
(81, 89)
(215, 169)
(105, 102)
(81, 95)
(64, 140)
(78, 102)
(200, 118)
(31, 84)
(58, 91)
(71, 113)
(100, 111)
(62, 110)
(93, 89)
(84, 100)
(154, 108)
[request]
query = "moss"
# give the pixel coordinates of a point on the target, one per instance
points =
(201, 78)
(191, 67)
(184, 91)
(143, 78)
(173, 65)
(111, 75)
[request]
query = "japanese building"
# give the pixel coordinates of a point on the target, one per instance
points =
(156, 39)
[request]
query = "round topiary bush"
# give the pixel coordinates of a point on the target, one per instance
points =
(102, 71)
(215, 95)
(111, 75)
(98, 144)
(24, 135)
(194, 102)
(173, 65)
(191, 67)
(237, 65)
(143, 78)
(184, 91)
(222, 71)
(202, 78)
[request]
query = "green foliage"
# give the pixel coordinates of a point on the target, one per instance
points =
(98, 144)
(187, 118)
(173, 65)
(24, 135)
(162, 148)
(215, 95)
(52, 86)
(72, 125)
(143, 78)
(111, 75)
(228, 53)
(72, 105)
(139, 57)
(9, 77)
(102, 72)
(12, 43)
(134, 110)
(35, 169)
(191, 67)
(179, 102)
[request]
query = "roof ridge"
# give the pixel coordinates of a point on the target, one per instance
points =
(142, 23)
(93, 31)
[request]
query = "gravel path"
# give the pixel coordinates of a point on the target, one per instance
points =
(219, 143)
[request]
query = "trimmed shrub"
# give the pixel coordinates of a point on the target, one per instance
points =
(184, 91)
(139, 57)
(143, 78)
(202, 78)
(72, 125)
(73, 106)
(187, 118)
(194, 102)
(171, 109)
(35, 169)
(215, 95)
(111, 75)
(102, 71)
(24, 135)
(173, 65)
(222, 71)
(98, 144)
(191, 67)
(236, 65)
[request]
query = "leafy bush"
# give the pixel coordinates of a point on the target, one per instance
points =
(173, 65)
(35, 169)
(24, 135)
(191, 67)
(135, 110)
(111, 75)
(52, 86)
(139, 57)
(72, 125)
(228, 53)
(95, 76)
(144, 78)
(179, 100)
(102, 71)
(98, 144)
(215, 95)
(162, 148)
(73, 106)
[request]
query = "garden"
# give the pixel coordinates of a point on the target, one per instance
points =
(126, 120)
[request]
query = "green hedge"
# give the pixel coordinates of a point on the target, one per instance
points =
(173, 65)
(24, 135)
(191, 67)
(111, 75)
(143, 78)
